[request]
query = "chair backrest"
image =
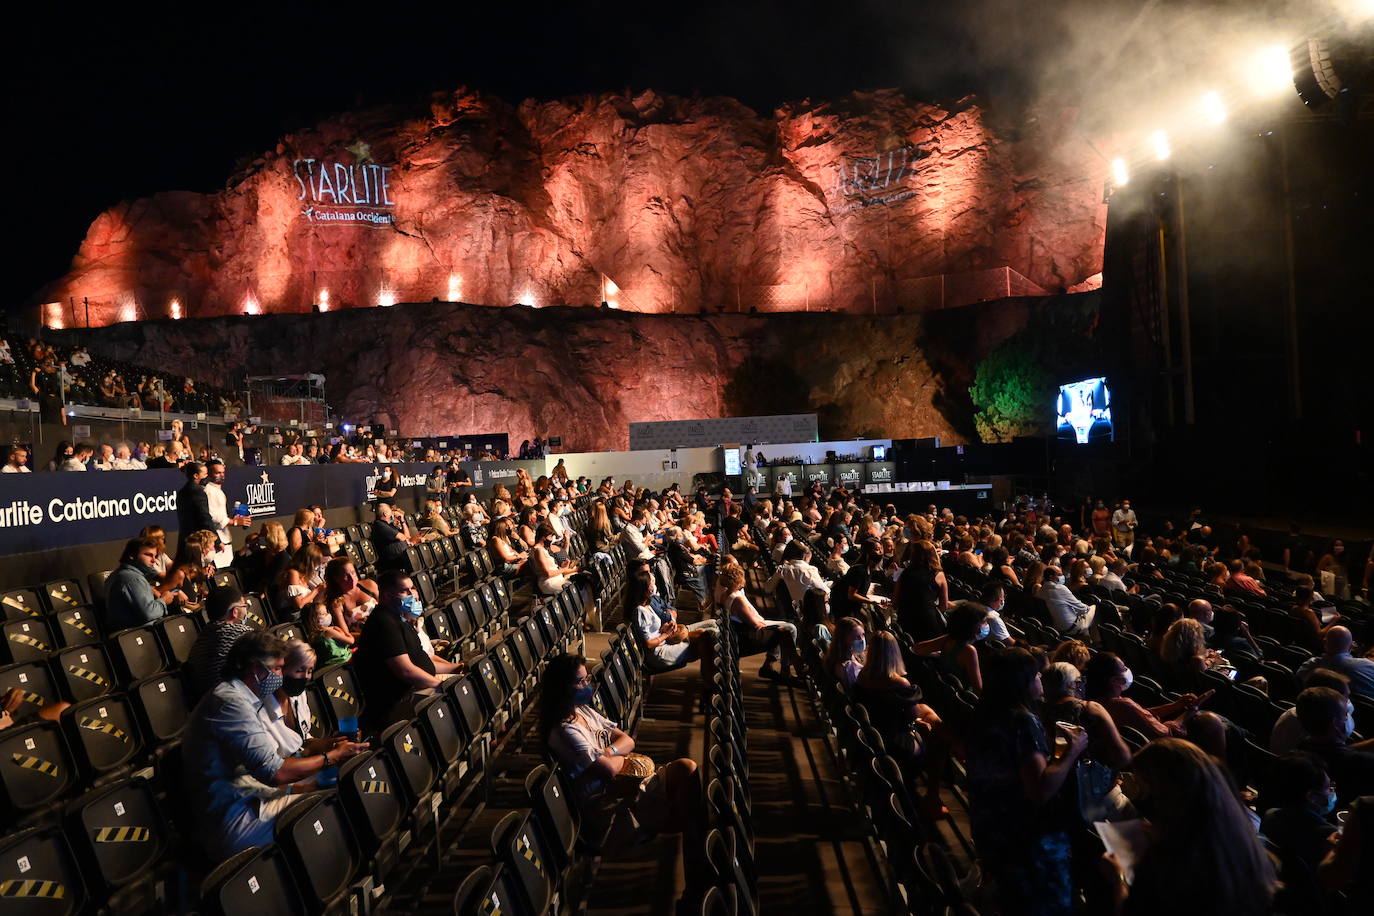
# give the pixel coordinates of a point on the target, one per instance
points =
(440, 723)
(103, 733)
(36, 683)
(489, 684)
(28, 640)
(65, 595)
(40, 874)
(20, 603)
(257, 615)
(161, 706)
(341, 688)
(137, 653)
(486, 891)
(371, 796)
(506, 667)
(252, 883)
(556, 816)
(35, 767)
(469, 705)
(314, 835)
(519, 845)
(85, 671)
(405, 742)
(76, 627)
(118, 832)
(178, 634)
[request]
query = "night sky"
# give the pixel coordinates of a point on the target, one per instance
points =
(146, 97)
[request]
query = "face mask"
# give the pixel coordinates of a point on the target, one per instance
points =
(1349, 717)
(984, 631)
(858, 646)
(269, 684)
(1344, 729)
(295, 686)
(1130, 679)
(1329, 803)
(323, 622)
(584, 695)
(411, 606)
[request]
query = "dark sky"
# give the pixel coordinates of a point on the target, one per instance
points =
(152, 96)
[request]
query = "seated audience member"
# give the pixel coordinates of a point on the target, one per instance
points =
(350, 599)
(855, 596)
(1201, 610)
(922, 595)
(632, 536)
(1111, 579)
(506, 551)
(1184, 655)
(611, 782)
(264, 557)
(1349, 866)
(390, 537)
(667, 643)
(1203, 855)
(228, 612)
(993, 596)
(796, 572)
(1336, 644)
(1106, 678)
(290, 723)
(778, 638)
(434, 519)
(1012, 777)
(18, 461)
(1074, 652)
(473, 529)
(1288, 734)
(124, 459)
(1161, 619)
(955, 651)
(1309, 623)
(549, 577)
(237, 779)
(1090, 790)
(1325, 717)
(301, 583)
(133, 595)
(1303, 796)
(1231, 636)
(393, 667)
(104, 458)
(847, 652)
(1068, 615)
(893, 703)
(331, 643)
(302, 530)
(164, 562)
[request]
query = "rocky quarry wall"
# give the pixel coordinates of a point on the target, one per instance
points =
(873, 202)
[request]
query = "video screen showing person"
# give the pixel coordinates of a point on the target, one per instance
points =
(1085, 411)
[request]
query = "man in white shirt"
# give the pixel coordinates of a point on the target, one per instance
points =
(797, 573)
(80, 358)
(295, 454)
(633, 536)
(18, 461)
(1068, 615)
(219, 511)
(784, 486)
(1111, 579)
(1123, 524)
(104, 460)
(124, 460)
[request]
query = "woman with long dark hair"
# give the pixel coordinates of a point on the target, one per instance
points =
(922, 595)
(1013, 775)
(1203, 854)
(599, 760)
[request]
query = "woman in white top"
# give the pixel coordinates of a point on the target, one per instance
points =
(301, 584)
(778, 638)
(548, 575)
(350, 600)
(668, 643)
(591, 751)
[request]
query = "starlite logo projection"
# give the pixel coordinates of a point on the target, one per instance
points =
(337, 193)
(869, 181)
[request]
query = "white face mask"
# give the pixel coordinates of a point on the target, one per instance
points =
(1130, 679)
(323, 622)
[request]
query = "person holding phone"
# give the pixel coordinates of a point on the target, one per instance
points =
(1106, 678)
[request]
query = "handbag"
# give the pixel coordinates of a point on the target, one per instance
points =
(1095, 782)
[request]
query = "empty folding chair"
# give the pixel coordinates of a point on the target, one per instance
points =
(85, 672)
(288, 631)
(469, 705)
(255, 882)
(227, 577)
(120, 836)
(27, 640)
(371, 797)
(178, 634)
(40, 875)
(486, 891)
(136, 653)
(104, 735)
(519, 845)
(36, 685)
(492, 693)
(76, 627)
(439, 721)
(557, 817)
(35, 768)
(509, 672)
(160, 706)
(257, 615)
(314, 835)
(340, 686)
(19, 604)
(417, 772)
(65, 595)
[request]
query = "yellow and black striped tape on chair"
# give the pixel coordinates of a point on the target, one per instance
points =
(34, 699)
(490, 906)
(122, 834)
(108, 728)
(63, 596)
(87, 675)
(17, 887)
(10, 601)
(339, 693)
(46, 767)
(76, 622)
(25, 639)
(524, 847)
(376, 787)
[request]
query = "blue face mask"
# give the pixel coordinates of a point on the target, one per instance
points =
(858, 646)
(984, 631)
(412, 606)
(585, 695)
(1329, 805)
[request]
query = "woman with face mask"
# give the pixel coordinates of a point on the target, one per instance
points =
(331, 643)
(1299, 826)
(1106, 678)
(1089, 793)
(591, 750)
(291, 726)
(848, 650)
(956, 651)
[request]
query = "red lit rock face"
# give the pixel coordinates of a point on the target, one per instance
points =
(583, 374)
(655, 203)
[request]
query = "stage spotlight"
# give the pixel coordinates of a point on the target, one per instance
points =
(250, 305)
(174, 309)
(455, 288)
(322, 300)
(386, 298)
(1159, 142)
(1213, 109)
(1120, 174)
(1271, 70)
(1314, 73)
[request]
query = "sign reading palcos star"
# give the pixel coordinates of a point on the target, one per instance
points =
(339, 193)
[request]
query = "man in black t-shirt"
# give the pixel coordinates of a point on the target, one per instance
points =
(390, 538)
(459, 483)
(394, 670)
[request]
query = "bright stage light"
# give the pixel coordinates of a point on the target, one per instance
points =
(386, 298)
(1159, 142)
(174, 309)
(250, 305)
(1213, 109)
(322, 300)
(1120, 174)
(455, 288)
(1271, 70)
(527, 298)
